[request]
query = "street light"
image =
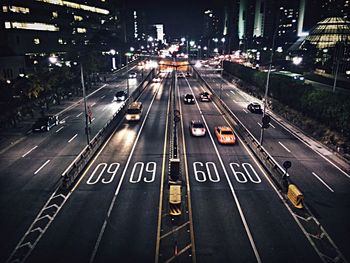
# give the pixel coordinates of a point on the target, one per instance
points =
(223, 45)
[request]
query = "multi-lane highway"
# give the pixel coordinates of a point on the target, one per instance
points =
(118, 211)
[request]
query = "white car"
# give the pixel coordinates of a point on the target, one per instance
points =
(157, 79)
(197, 128)
(132, 75)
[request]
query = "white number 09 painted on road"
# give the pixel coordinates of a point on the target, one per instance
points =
(112, 170)
(151, 167)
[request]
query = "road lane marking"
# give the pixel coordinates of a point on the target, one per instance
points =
(272, 125)
(162, 183)
(73, 138)
(234, 101)
(24, 155)
(79, 114)
(232, 92)
(41, 167)
(179, 253)
(93, 119)
(99, 238)
(284, 147)
(103, 96)
(92, 104)
(259, 124)
(323, 182)
(245, 110)
(59, 129)
(174, 230)
(228, 94)
(104, 108)
(235, 197)
(64, 119)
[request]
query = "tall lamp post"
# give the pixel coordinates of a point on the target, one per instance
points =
(87, 129)
(223, 45)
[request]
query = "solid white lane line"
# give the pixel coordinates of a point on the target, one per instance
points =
(272, 125)
(323, 182)
(284, 147)
(245, 110)
(259, 124)
(24, 155)
(79, 114)
(73, 138)
(233, 192)
(93, 119)
(92, 104)
(41, 167)
(59, 129)
(99, 238)
(103, 96)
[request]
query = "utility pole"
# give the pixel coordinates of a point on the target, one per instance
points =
(87, 131)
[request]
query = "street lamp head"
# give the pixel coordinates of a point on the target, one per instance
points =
(150, 39)
(297, 60)
(192, 43)
(132, 49)
(183, 39)
(223, 40)
(53, 59)
(112, 52)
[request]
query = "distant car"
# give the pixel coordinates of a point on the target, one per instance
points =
(225, 135)
(45, 123)
(189, 99)
(188, 75)
(132, 75)
(121, 95)
(157, 79)
(197, 128)
(204, 96)
(254, 107)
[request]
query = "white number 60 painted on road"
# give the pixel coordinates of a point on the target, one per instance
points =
(201, 176)
(241, 177)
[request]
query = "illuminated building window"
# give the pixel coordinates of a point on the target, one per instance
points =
(76, 6)
(36, 41)
(31, 26)
(54, 14)
(78, 18)
(5, 9)
(60, 41)
(81, 30)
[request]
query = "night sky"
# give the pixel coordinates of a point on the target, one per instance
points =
(180, 17)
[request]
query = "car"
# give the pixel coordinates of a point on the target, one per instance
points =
(157, 79)
(189, 99)
(197, 128)
(225, 135)
(204, 96)
(132, 75)
(254, 107)
(45, 123)
(121, 95)
(188, 75)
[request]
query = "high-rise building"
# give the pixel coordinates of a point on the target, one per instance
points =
(211, 24)
(160, 32)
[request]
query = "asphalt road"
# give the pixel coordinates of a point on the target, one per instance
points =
(113, 213)
(325, 184)
(32, 169)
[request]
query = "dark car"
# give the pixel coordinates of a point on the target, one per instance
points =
(45, 123)
(121, 95)
(254, 107)
(189, 99)
(204, 96)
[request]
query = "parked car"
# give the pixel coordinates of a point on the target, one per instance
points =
(189, 99)
(204, 96)
(254, 107)
(225, 135)
(121, 95)
(197, 128)
(45, 123)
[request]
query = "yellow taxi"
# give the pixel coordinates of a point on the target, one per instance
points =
(225, 135)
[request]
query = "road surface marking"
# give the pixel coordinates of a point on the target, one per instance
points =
(59, 129)
(24, 155)
(73, 138)
(234, 101)
(284, 147)
(99, 238)
(228, 94)
(41, 167)
(103, 96)
(245, 110)
(92, 104)
(93, 119)
(64, 119)
(233, 192)
(104, 108)
(272, 125)
(79, 114)
(174, 230)
(232, 92)
(259, 124)
(326, 185)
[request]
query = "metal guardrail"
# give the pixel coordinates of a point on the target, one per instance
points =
(72, 174)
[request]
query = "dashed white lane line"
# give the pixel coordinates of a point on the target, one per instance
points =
(272, 125)
(73, 138)
(323, 182)
(259, 124)
(245, 110)
(103, 96)
(59, 129)
(232, 92)
(284, 147)
(234, 101)
(92, 104)
(24, 155)
(228, 94)
(41, 167)
(79, 115)
(93, 119)
(104, 108)
(64, 119)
